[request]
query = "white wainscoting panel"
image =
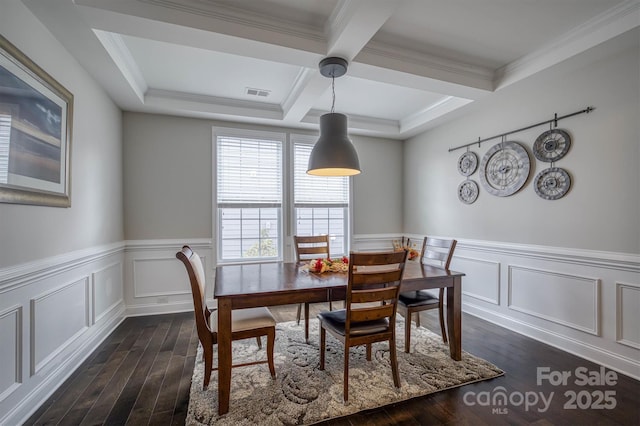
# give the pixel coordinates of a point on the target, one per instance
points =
(47, 327)
(554, 297)
(156, 281)
(10, 350)
(481, 280)
(160, 276)
(107, 291)
(628, 314)
(57, 318)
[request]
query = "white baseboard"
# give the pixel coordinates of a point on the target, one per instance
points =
(624, 365)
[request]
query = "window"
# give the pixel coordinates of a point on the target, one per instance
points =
(249, 195)
(257, 192)
(321, 204)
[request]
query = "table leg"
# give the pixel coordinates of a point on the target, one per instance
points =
(306, 322)
(454, 318)
(224, 355)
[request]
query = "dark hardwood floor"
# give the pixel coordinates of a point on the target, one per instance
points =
(141, 374)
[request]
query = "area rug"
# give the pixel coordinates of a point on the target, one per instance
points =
(303, 394)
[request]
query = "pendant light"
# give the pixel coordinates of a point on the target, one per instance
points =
(333, 154)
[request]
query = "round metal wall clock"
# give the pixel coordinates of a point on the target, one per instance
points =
(552, 183)
(551, 145)
(467, 163)
(468, 191)
(504, 168)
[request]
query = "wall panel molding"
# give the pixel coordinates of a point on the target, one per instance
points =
(69, 304)
(156, 282)
(627, 314)
(491, 269)
(549, 297)
(106, 283)
(11, 350)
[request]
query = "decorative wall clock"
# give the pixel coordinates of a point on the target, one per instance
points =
(467, 163)
(551, 145)
(504, 168)
(552, 183)
(468, 191)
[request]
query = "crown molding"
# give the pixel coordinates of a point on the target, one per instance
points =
(607, 25)
(225, 11)
(121, 56)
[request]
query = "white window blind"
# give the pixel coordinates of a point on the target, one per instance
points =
(309, 191)
(249, 171)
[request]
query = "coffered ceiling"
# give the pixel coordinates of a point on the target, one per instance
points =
(411, 62)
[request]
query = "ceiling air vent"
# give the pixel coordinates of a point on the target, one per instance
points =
(258, 92)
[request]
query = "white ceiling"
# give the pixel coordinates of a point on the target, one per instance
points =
(412, 62)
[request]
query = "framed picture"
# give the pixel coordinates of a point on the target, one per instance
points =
(35, 133)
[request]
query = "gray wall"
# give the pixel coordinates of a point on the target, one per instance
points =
(164, 154)
(28, 233)
(602, 209)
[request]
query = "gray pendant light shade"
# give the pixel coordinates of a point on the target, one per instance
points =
(333, 154)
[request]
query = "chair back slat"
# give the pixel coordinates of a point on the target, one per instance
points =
(368, 279)
(374, 285)
(372, 295)
(439, 250)
(371, 313)
(308, 247)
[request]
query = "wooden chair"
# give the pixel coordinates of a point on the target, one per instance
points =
(310, 247)
(245, 323)
(440, 252)
(370, 312)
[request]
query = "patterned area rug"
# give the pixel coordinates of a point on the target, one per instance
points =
(302, 394)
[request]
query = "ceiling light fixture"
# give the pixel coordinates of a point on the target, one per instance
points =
(333, 154)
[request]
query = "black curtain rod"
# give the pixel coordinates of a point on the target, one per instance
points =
(554, 120)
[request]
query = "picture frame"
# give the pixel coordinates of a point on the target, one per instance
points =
(36, 116)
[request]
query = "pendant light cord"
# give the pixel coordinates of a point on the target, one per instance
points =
(333, 92)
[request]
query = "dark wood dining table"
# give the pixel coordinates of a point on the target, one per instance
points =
(272, 284)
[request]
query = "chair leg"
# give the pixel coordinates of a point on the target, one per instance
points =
(259, 341)
(418, 319)
(306, 322)
(394, 361)
(298, 313)
(407, 332)
(345, 390)
(368, 351)
(322, 346)
(271, 340)
(441, 314)
(207, 354)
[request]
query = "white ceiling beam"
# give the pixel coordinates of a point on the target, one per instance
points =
(354, 23)
(350, 27)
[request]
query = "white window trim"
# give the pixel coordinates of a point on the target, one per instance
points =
(240, 133)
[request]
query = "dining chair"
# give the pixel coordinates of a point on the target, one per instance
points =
(307, 248)
(370, 312)
(438, 251)
(245, 323)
